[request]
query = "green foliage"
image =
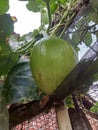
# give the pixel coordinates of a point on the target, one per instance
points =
(69, 102)
(53, 5)
(87, 39)
(35, 32)
(19, 86)
(95, 108)
(4, 117)
(7, 61)
(4, 6)
(23, 0)
(35, 5)
(62, 1)
(6, 26)
(95, 77)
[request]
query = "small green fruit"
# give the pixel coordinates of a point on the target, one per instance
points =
(51, 60)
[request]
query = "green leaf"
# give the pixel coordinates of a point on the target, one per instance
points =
(95, 108)
(4, 47)
(4, 117)
(35, 5)
(7, 61)
(4, 6)
(87, 39)
(95, 77)
(69, 102)
(53, 5)
(62, 1)
(20, 86)
(35, 32)
(6, 26)
(96, 104)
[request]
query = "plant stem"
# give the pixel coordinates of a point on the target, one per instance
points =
(66, 26)
(68, 20)
(23, 50)
(23, 46)
(49, 14)
(57, 26)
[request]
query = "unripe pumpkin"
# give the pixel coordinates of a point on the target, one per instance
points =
(51, 60)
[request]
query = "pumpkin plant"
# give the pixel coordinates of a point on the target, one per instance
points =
(47, 58)
(51, 59)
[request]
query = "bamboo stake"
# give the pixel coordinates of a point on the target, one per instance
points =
(63, 118)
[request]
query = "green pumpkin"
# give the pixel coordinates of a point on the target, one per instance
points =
(51, 60)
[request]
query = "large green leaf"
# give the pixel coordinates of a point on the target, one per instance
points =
(7, 61)
(20, 86)
(35, 5)
(4, 117)
(4, 6)
(6, 26)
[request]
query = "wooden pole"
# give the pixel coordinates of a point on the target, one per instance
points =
(63, 118)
